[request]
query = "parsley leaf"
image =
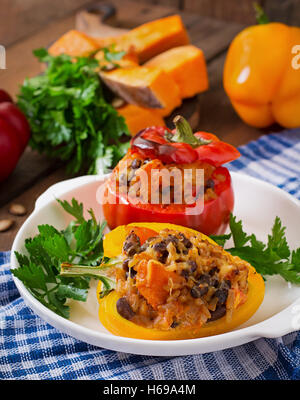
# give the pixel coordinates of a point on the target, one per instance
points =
(40, 268)
(239, 237)
(111, 54)
(220, 239)
(272, 258)
(277, 241)
(75, 209)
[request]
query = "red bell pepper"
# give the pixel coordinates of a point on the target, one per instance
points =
(163, 144)
(4, 96)
(213, 220)
(14, 135)
(14, 117)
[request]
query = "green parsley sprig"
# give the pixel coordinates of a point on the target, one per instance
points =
(69, 115)
(112, 55)
(39, 270)
(273, 258)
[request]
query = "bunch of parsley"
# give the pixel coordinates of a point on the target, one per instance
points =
(80, 242)
(69, 115)
(273, 258)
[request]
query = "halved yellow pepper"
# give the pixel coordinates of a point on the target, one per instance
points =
(112, 320)
(260, 77)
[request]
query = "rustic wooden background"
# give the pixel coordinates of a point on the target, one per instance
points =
(20, 18)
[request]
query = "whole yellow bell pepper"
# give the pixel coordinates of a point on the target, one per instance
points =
(262, 76)
(112, 320)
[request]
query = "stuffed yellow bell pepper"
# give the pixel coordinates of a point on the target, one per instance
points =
(262, 77)
(172, 283)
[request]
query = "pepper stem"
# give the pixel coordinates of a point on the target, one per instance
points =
(261, 17)
(68, 270)
(184, 133)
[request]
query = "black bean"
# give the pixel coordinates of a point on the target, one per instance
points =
(163, 256)
(172, 239)
(160, 246)
(131, 250)
(125, 264)
(188, 244)
(198, 291)
(124, 308)
(185, 241)
(228, 283)
(133, 272)
(222, 295)
(193, 265)
(132, 244)
(195, 292)
(203, 290)
(215, 283)
(213, 271)
(185, 273)
(134, 238)
(219, 312)
(136, 163)
(204, 278)
(210, 184)
(174, 324)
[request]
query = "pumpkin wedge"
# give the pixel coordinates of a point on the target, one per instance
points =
(74, 43)
(145, 87)
(152, 38)
(186, 65)
(138, 118)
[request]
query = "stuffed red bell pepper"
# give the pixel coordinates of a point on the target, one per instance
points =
(158, 149)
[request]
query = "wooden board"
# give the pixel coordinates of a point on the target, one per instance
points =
(214, 112)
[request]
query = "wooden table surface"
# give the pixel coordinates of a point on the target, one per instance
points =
(35, 173)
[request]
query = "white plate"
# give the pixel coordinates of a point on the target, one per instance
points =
(257, 204)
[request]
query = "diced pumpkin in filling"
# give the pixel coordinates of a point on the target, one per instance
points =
(153, 280)
(145, 87)
(74, 43)
(138, 118)
(186, 65)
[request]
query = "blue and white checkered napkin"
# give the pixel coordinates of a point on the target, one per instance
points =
(32, 349)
